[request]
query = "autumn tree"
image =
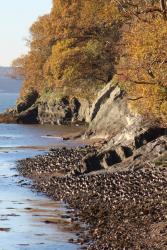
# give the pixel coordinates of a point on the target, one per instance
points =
(73, 45)
(142, 69)
(84, 50)
(30, 66)
(83, 44)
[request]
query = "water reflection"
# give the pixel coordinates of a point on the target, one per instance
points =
(29, 221)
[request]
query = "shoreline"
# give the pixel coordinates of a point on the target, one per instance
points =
(24, 214)
(123, 207)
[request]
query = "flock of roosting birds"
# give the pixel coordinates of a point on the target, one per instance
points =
(124, 208)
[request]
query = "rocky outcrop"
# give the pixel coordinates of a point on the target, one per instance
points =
(34, 110)
(31, 98)
(63, 111)
(84, 110)
(145, 145)
(29, 116)
(26, 111)
(109, 116)
(110, 113)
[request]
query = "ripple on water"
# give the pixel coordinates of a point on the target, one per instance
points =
(20, 229)
(23, 214)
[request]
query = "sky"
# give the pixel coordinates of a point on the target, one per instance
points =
(16, 17)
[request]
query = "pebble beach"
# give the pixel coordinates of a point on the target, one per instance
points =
(121, 208)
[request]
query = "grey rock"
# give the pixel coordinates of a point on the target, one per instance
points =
(84, 111)
(103, 96)
(63, 111)
(110, 113)
(130, 157)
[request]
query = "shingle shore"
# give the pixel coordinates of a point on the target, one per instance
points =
(125, 209)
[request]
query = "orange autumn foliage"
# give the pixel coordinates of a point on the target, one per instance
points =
(142, 68)
(82, 44)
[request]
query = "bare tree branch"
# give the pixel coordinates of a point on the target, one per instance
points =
(136, 98)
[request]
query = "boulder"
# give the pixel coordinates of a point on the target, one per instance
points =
(89, 163)
(145, 142)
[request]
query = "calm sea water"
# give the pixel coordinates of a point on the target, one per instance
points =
(9, 89)
(23, 212)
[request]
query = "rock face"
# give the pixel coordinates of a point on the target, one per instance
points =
(108, 117)
(144, 145)
(55, 113)
(64, 111)
(84, 111)
(110, 113)
(33, 110)
(30, 100)
(29, 116)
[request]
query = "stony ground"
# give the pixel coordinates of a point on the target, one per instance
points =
(124, 206)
